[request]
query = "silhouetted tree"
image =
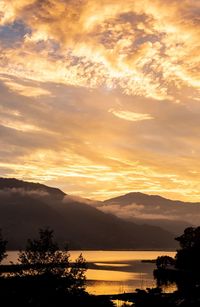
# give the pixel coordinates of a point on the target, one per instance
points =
(44, 254)
(44, 257)
(188, 257)
(77, 273)
(190, 238)
(184, 271)
(3, 244)
(46, 277)
(164, 262)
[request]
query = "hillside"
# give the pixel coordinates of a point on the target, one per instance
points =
(25, 207)
(141, 208)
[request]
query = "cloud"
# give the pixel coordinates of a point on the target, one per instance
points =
(81, 200)
(130, 116)
(64, 64)
(150, 212)
(141, 48)
(138, 211)
(25, 90)
(17, 125)
(82, 148)
(7, 192)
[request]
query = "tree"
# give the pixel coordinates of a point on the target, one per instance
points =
(188, 257)
(44, 254)
(163, 262)
(43, 257)
(78, 275)
(3, 244)
(46, 277)
(190, 238)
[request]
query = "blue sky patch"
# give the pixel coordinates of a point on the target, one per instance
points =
(13, 34)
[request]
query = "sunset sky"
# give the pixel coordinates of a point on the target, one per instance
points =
(101, 97)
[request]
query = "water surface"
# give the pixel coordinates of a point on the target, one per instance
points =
(112, 272)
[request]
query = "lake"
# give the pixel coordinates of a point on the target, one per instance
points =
(115, 272)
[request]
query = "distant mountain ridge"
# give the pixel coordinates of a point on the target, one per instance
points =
(12, 183)
(173, 215)
(25, 207)
(145, 198)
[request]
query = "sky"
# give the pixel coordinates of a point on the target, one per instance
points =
(101, 97)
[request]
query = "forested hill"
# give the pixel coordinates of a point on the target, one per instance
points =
(25, 207)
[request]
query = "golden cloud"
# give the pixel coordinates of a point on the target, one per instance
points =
(17, 125)
(25, 90)
(142, 47)
(130, 116)
(70, 62)
(82, 176)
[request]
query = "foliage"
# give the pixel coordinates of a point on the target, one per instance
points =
(152, 298)
(185, 272)
(77, 273)
(187, 258)
(46, 277)
(44, 254)
(43, 258)
(3, 244)
(164, 262)
(190, 238)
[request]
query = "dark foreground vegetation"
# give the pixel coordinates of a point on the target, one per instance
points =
(183, 271)
(45, 276)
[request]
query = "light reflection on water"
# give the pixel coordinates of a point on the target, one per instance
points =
(112, 287)
(120, 256)
(111, 264)
(107, 275)
(119, 303)
(122, 271)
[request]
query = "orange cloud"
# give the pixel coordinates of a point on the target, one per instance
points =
(130, 116)
(74, 62)
(99, 43)
(25, 90)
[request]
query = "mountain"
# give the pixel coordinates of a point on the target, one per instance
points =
(25, 207)
(141, 208)
(147, 200)
(12, 183)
